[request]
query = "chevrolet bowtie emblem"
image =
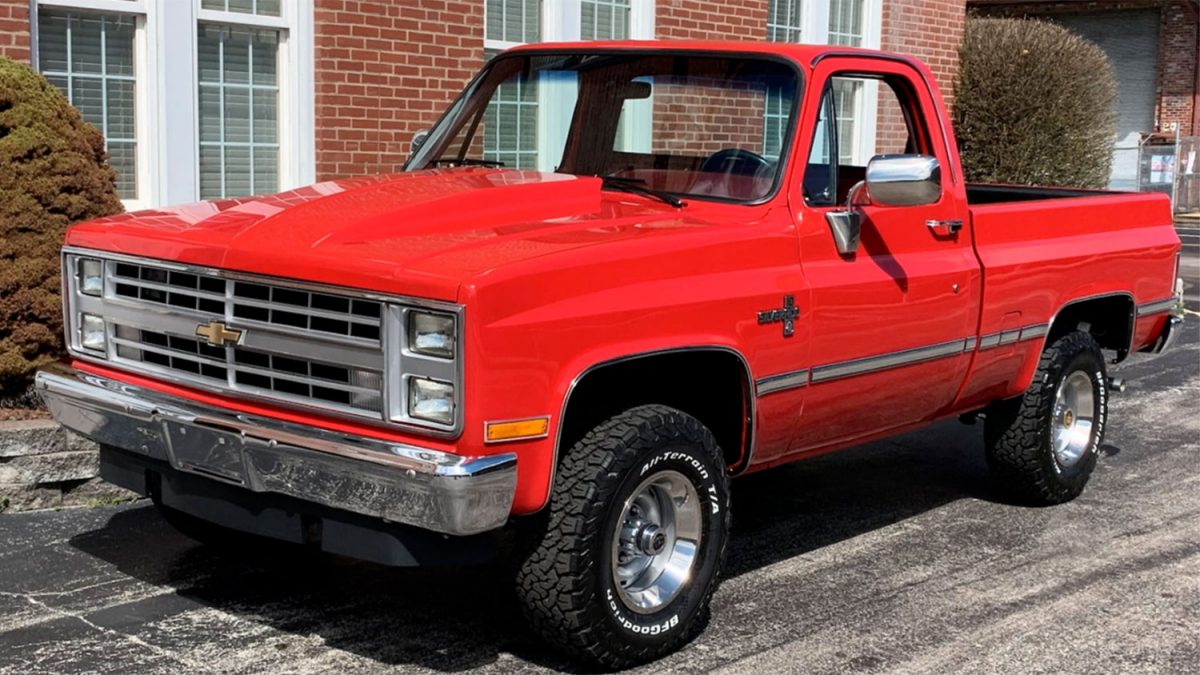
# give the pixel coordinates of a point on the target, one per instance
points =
(217, 334)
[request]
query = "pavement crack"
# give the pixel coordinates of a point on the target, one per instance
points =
(32, 599)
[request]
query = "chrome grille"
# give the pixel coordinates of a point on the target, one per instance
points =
(337, 350)
(169, 287)
(266, 365)
(253, 303)
(170, 351)
(306, 310)
(253, 371)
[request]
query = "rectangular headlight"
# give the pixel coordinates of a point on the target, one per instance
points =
(90, 273)
(91, 332)
(431, 400)
(431, 334)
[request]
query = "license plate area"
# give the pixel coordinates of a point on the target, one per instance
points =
(209, 452)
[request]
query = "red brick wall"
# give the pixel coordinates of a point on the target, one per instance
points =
(930, 30)
(697, 120)
(385, 70)
(740, 123)
(1177, 51)
(14, 29)
(1178, 61)
(711, 19)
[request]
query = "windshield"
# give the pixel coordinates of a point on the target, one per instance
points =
(686, 125)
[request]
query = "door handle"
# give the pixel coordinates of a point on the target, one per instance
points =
(944, 228)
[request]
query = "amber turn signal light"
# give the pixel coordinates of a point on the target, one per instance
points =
(516, 430)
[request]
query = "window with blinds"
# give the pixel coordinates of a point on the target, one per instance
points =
(89, 57)
(846, 22)
(238, 106)
(604, 19)
(783, 20)
(510, 127)
(783, 25)
(259, 7)
(513, 21)
(846, 28)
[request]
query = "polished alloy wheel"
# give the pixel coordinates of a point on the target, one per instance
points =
(656, 541)
(1074, 407)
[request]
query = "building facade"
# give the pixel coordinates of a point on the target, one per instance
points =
(209, 98)
(1154, 46)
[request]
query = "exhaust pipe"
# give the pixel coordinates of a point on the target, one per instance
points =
(1116, 384)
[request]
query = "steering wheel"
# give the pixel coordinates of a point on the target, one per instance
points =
(735, 161)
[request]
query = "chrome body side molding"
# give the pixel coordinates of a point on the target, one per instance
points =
(781, 382)
(1156, 307)
(905, 357)
(1013, 335)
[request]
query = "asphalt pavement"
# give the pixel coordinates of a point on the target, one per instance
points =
(898, 557)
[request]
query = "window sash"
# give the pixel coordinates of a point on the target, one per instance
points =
(115, 114)
(245, 164)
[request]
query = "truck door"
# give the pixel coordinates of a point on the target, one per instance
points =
(893, 324)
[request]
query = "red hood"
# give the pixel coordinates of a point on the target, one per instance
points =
(418, 234)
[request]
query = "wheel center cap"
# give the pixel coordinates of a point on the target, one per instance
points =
(1068, 418)
(651, 540)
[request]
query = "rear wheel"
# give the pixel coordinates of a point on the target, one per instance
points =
(628, 559)
(1042, 446)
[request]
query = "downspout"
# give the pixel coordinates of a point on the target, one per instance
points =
(33, 35)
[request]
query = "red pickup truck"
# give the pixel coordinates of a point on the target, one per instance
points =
(612, 277)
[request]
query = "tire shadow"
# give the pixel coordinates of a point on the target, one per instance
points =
(454, 619)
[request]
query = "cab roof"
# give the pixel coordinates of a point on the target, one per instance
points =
(802, 54)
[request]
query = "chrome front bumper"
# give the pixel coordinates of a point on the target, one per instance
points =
(399, 483)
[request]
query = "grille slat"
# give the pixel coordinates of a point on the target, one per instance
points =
(290, 377)
(310, 311)
(353, 319)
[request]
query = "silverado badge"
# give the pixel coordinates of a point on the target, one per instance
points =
(217, 334)
(787, 315)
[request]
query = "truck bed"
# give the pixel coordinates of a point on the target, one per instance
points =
(986, 193)
(1042, 248)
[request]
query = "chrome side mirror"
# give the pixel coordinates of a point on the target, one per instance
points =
(891, 180)
(846, 225)
(418, 140)
(904, 180)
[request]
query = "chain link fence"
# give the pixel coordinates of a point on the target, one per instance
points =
(1187, 175)
(1167, 165)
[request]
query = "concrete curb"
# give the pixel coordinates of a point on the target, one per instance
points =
(43, 466)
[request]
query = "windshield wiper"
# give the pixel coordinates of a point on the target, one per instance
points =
(637, 186)
(466, 162)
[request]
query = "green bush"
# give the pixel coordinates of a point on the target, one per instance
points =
(1034, 105)
(53, 172)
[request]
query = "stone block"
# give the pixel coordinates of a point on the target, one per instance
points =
(31, 437)
(29, 497)
(57, 467)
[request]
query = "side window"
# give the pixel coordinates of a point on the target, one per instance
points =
(820, 184)
(860, 117)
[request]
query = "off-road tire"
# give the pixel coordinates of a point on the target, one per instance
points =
(1019, 432)
(565, 582)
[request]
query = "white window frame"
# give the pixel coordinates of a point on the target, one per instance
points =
(167, 83)
(815, 30)
(144, 76)
(561, 21)
(295, 80)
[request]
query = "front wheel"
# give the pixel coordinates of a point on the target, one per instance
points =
(1042, 446)
(629, 558)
